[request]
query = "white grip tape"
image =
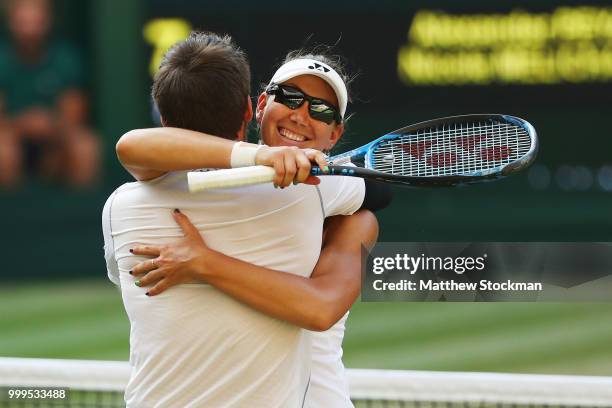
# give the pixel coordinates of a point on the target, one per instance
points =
(243, 176)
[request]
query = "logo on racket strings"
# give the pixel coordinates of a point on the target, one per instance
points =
(449, 153)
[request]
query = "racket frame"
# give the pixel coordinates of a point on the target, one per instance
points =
(366, 152)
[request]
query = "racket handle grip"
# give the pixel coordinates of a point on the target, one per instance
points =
(226, 178)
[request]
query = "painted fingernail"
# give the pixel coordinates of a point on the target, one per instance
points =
(131, 272)
(137, 283)
(131, 250)
(326, 169)
(295, 183)
(176, 210)
(147, 294)
(275, 186)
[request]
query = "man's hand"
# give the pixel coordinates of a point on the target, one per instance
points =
(181, 262)
(291, 163)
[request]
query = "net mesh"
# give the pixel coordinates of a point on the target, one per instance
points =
(101, 384)
(452, 149)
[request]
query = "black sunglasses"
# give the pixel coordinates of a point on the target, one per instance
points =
(318, 109)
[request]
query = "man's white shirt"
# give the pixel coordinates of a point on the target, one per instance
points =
(192, 345)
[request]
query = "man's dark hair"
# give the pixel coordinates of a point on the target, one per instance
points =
(203, 84)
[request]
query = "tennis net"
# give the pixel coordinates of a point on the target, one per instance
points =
(101, 383)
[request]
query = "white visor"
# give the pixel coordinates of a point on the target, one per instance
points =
(305, 66)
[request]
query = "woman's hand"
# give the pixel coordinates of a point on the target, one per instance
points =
(181, 262)
(291, 163)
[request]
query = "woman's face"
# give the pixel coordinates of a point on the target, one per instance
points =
(281, 126)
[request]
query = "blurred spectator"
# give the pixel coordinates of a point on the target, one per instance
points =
(43, 110)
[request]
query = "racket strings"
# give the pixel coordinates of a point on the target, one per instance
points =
(474, 148)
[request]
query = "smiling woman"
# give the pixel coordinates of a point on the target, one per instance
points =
(286, 123)
(304, 104)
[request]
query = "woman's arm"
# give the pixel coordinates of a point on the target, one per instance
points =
(150, 153)
(314, 303)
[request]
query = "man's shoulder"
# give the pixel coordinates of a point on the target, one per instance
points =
(335, 184)
(125, 187)
(341, 194)
(122, 189)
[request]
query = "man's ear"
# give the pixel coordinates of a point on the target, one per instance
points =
(248, 116)
(261, 106)
(248, 113)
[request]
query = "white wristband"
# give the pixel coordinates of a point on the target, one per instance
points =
(243, 154)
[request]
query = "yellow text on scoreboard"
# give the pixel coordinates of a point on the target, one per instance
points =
(567, 45)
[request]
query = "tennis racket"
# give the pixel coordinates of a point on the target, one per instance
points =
(449, 151)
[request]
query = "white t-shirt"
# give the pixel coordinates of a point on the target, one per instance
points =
(192, 345)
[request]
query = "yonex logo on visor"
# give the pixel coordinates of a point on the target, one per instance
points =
(319, 67)
(306, 66)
